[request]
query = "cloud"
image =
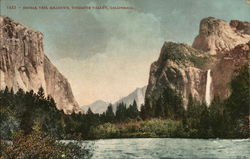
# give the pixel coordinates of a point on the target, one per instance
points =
(106, 54)
(124, 63)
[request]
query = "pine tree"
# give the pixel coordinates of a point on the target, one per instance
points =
(170, 105)
(41, 93)
(143, 113)
(121, 114)
(132, 111)
(89, 112)
(110, 115)
(216, 117)
(204, 125)
(237, 106)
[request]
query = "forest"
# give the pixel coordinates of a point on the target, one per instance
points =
(29, 114)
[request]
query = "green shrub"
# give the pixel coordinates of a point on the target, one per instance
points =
(38, 146)
(8, 123)
(162, 128)
(106, 130)
(148, 128)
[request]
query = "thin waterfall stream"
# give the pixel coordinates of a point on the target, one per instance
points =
(208, 88)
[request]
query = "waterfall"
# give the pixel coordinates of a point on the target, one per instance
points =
(208, 88)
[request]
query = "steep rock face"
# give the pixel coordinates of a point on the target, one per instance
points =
(225, 68)
(220, 47)
(216, 35)
(59, 88)
(22, 56)
(23, 64)
(179, 67)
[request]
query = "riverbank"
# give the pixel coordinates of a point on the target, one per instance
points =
(153, 128)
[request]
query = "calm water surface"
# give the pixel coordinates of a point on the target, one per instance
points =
(153, 148)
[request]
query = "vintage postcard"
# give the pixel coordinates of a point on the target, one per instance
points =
(124, 79)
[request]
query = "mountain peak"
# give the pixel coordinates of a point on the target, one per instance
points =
(218, 36)
(99, 101)
(212, 25)
(138, 95)
(100, 106)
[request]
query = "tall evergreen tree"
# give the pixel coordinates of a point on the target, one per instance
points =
(121, 114)
(216, 117)
(170, 105)
(204, 125)
(110, 115)
(132, 111)
(41, 93)
(143, 113)
(89, 112)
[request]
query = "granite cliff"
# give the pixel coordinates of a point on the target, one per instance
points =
(23, 64)
(216, 36)
(203, 70)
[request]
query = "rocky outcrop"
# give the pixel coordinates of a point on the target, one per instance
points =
(217, 35)
(225, 68)
(180, 67)
(23, 64)
(59, 88)
(220, 47)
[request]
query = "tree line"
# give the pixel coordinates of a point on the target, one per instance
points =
(21, 110)
(223, 119)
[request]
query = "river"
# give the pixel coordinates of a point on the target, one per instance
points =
(153, 148)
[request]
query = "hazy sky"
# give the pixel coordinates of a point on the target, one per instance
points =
(106, 54)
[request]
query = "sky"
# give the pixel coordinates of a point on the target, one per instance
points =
(106, 54)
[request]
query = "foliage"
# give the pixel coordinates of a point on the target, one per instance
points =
(8, 123)
(106, 130)
(168, 105)
(37, 145)
(132, 111)
(29, 107)
(147, 128)
(183, 54)
(121, 112)
(198, 61)
(162, 128)
(223, 119)
(237, 105)
(110, 115)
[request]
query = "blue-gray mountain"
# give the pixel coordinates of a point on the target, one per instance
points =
(100, 106)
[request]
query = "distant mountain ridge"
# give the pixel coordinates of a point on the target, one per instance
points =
(138, 95)
(100, 106)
